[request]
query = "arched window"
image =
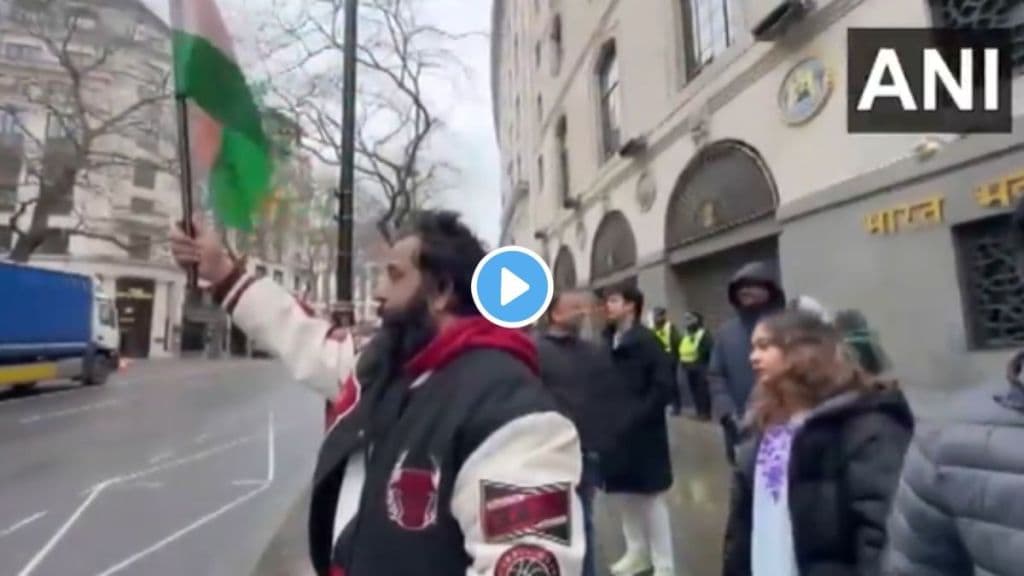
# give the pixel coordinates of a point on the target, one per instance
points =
(611, 108)
(562, 137)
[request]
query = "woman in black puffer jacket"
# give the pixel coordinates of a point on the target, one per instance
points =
(812, 489)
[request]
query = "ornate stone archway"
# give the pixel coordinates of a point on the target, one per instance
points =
(564, 270)
(727, 184)
(614, 247)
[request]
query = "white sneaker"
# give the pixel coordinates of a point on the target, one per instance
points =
(631, 564)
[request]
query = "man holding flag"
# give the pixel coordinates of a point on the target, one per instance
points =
(445, 457)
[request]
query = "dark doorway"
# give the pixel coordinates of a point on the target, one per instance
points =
(135, 315)
(705, 281)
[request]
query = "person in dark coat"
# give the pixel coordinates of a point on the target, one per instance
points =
(670, 338)
(580, 376)
(813, 485)
(958, 510)
(694, 357)
(754, 293)
(638, 471)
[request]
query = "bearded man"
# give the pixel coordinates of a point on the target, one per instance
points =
(445, 456)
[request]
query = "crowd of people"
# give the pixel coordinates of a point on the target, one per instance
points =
(457, 447)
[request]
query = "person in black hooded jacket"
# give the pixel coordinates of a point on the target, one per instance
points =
(958, 510)
(812, 487)
(754, 292)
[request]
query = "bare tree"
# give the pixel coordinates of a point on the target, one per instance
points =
(398, 56)
(100, 100)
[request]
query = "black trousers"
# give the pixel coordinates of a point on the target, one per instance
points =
(700, 392)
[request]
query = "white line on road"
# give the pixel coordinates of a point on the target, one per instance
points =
(201, 438)
(161, 457)
(248, 482)
(95, 491)
(52, 542)
(146, 485)
(69, 411)
(206, 519)
(21, 524)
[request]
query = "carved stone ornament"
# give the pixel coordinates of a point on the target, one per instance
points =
(646, 191)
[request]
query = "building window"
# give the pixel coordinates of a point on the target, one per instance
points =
(709, 31)
(55, 242)
(142, 206)
(562, 138)
(540, 174)
(10, 122)
(261, 271)
(6, 238)
(538, 55)
(23, 52)
(58, 128)
(279, 277)
(993, 300)
(140, 247)
(557, 49)
(8, 197)
(540, 109)
(144, 174)
(82, 19)
(611, 107)
(973, 15)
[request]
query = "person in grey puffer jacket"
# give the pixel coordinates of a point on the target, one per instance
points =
(960, 506)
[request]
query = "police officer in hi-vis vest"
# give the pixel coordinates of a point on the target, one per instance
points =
(694, 356)
(670, 341)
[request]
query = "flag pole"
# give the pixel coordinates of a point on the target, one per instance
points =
(184, 154)
(185, 157)
(345, 313)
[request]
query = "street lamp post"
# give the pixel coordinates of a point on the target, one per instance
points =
(344, 309)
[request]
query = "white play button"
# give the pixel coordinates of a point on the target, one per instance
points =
(512, 287)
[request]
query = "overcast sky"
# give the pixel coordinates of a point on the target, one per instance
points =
(468, 139)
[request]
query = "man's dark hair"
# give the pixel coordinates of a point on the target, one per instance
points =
(630, 294)
(449, 254)
(555, 299)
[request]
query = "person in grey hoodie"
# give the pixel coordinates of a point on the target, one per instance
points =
(754, 293)
(959, 506)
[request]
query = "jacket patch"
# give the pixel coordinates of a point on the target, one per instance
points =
(412, 495)
(527, 560)
(346, 400)
(510, 512)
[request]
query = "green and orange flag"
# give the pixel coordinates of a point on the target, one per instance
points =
(229, 146)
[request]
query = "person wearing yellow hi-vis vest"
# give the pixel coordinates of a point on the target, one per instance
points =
(694, 355)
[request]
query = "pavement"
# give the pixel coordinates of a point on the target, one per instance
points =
(173, 467)
(698, 502)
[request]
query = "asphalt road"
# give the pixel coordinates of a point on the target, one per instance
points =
(174, 467)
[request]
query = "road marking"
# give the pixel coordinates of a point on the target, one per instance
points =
(52, 542)
(146, 485)
(95, 491)
(247, 482)
(210, 517)
(161, 457)
(201, 438)
(69, 411)
(21, 524)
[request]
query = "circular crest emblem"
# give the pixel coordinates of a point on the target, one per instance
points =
(527, 560)
(804, 91)
(646, 191)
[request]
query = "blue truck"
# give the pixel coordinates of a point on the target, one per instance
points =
(54, 325)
